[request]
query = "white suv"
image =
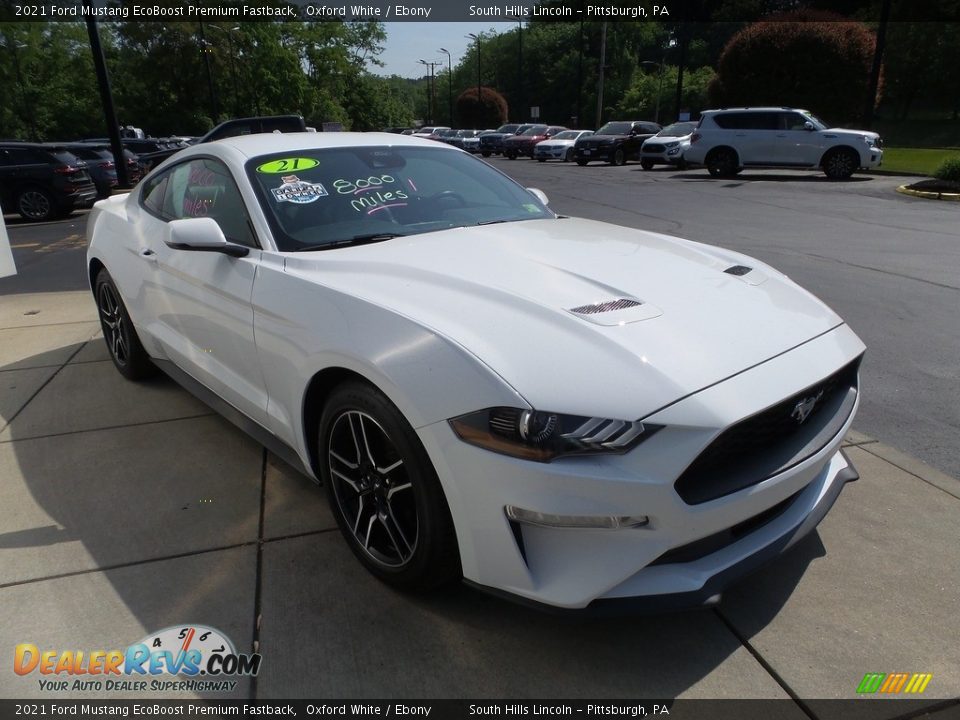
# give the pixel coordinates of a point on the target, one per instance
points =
(726, 141)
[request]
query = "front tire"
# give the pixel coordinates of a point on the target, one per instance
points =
(646, 164)
(723, 163)
(485, 153)
(618, 158)
(582, 163)
(568, 155)
(384, 492)
(840, 164)
(126, 351)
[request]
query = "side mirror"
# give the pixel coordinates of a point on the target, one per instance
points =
(201, 234)
(808, 126)
(539, 195)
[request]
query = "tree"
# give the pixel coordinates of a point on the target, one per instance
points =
(810, 59)
(490, 112)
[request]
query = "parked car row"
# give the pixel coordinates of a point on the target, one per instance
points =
(723, 141)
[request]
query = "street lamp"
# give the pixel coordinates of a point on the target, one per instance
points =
(431, 65)
(449, 84)
(477, 38)
(233, 65)
(521, 96)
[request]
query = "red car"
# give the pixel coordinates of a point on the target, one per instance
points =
(523, 143)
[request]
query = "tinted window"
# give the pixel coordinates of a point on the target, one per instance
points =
(317, 198)
(204, 188)
(26, 156)
(535, 130)
(748, 121)
(615, 128)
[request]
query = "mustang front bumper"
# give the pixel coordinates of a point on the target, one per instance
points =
(687, 553)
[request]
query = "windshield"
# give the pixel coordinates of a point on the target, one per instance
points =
(678, 129)
(320, 198)
(508, 128)
(817, 121)
(535, 130)
(567, 135)
(615, 128)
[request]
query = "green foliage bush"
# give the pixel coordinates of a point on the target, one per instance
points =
(949, 169)
(814, 60)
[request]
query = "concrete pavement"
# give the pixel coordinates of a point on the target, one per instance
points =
(130, 507)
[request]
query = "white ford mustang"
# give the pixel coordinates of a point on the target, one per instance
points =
(563, 411)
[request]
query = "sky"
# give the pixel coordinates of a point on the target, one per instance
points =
(408, 42)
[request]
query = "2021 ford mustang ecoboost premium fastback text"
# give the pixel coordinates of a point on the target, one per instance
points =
(566, 411)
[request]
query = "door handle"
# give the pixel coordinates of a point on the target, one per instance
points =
(148, 255)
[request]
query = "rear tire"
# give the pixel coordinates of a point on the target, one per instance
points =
(126, 351)
(384, 492)
(541, 159)
(37, 205)
(840, 164)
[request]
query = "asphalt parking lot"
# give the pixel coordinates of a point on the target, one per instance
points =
(131, 508)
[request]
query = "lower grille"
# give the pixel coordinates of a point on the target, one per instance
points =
(719, 540)
(773, 440)
(655, 148)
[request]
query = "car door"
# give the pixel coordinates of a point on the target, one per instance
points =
(798, 145)
(201, 300)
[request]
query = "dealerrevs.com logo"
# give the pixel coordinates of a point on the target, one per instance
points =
(204, 656)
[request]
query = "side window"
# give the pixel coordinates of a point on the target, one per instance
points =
(204, 188)
(729, 121)
(151, 197)
(792, 121)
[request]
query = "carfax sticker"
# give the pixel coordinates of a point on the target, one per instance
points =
(298, 191)
(275, 167)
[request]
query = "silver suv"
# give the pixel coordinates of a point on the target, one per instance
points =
(726, 141)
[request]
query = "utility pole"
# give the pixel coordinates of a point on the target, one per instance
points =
(580, 79)
(603, 65)
(871, 100)
(106, 98)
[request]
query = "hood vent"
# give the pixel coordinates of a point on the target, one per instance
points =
(609, 306)
(738, 270)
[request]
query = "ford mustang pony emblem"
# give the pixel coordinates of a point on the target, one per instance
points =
(802, 409)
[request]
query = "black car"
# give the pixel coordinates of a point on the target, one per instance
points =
(491, 143)
(43, 181)
(616, 142)
(230, 128)
(100, 165)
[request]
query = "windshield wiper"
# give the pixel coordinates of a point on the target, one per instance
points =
(359, 240)
(493, 222)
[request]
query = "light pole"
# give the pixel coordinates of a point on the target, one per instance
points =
(430, 64)
(449, 85)
(205, 49)
(477, 38)
(233, 64)
(521, 95)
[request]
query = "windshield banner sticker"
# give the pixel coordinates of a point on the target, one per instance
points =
(275, 167)
(298, 191)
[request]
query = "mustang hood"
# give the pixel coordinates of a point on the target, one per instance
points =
(536, 301)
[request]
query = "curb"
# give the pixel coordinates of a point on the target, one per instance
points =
(904, 462)
(953, 197)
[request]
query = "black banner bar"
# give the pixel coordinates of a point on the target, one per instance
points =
(853, 709)
(464, 10)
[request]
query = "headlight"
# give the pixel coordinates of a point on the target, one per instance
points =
(672, 144)
(544, 436)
